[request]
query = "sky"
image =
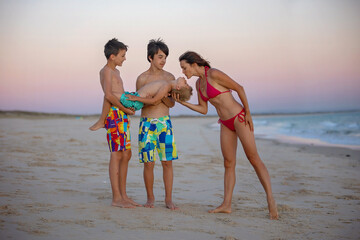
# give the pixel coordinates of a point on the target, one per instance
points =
(290, 56)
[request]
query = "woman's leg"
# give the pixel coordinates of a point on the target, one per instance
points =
(228, 141)
(247, 140)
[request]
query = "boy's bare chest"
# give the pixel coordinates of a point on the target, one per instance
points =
(117, 84)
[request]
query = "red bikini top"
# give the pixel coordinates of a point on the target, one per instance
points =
(210, 90)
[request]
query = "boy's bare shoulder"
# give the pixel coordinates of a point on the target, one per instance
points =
(143, 75)
(141, 79)
(105, 70)
(169, 76)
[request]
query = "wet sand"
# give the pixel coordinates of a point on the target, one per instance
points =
(55, 185)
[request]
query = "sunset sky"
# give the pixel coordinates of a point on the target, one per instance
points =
(290, 56)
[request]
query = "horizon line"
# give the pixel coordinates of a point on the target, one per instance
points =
(59, 114)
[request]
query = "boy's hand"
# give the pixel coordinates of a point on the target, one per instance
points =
(131, 97)
(129, 111)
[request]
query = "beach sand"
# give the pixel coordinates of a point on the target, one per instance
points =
(55, 185)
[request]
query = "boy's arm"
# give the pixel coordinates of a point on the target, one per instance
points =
(140, 82)
(151, 100)
(168, 101)
(109, 94)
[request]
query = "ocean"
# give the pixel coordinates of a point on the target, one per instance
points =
(338, 128)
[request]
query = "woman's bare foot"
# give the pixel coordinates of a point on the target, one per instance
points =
(97, 126)
(273, 209)
(170, 205)
(149, 204)
(122, 204)
(221, 209)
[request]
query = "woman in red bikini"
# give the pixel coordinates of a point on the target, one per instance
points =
(215, 86)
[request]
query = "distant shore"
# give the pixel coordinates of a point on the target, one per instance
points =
(20, 113)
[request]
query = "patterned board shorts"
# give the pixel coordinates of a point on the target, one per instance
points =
(156, 134)
(117, 125)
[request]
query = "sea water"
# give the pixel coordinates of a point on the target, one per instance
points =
(339, 128)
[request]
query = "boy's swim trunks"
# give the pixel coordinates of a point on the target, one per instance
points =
(131, 104)
(156, 134)
(117, 125)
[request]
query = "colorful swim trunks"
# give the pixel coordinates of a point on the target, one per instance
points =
(117, 125)
(156, 134)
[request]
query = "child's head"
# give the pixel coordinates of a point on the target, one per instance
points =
(183, 89)
(113, 47)
(153, 48)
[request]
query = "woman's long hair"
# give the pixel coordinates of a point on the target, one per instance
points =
(192, 57)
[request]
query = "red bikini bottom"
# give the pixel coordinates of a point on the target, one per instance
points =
(230, 122)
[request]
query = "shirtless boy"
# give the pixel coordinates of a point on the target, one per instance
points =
(154, 92)
(151, 93)
(117, 123)
(155, 123)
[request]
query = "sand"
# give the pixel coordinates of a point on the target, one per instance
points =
(55, 185)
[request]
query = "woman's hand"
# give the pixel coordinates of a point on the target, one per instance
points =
(248, 121)
(176, 97)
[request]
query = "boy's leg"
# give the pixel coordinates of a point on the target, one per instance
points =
(114, 173)
(101, 122)
(167, 152)
(119, 141)
(124, 163)
(168, 184)
(147, 133)
(149, 183)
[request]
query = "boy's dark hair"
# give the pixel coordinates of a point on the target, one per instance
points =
(113, 46)
(154, 46)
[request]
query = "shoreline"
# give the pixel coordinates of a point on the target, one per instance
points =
(313, 142)
(292, 140)
(326, 150)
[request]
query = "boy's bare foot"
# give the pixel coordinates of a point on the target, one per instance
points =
(122, 204)
(149, 204)
(170, 205)
(221, 209)
(129, 200)
(273, 209)
(97, 126)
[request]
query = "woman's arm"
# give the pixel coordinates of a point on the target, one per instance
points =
(224, 80)
(201, 107)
